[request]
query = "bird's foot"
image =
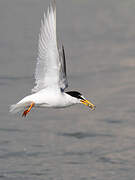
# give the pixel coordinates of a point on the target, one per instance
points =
(25, 113)
(28, 110)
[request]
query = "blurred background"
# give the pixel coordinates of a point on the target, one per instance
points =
(71, 143)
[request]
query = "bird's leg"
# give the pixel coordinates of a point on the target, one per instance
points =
(27, 110)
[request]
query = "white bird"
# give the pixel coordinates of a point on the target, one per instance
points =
(50, 74)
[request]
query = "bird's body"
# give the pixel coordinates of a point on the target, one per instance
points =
(50, 74)
(49, 98)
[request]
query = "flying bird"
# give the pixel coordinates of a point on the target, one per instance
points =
(50, 73)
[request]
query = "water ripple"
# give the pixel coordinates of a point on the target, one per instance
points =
(11, 130)
(111, 161)
(113, 121)
(21, 154)
(73, 153)
(82, 135)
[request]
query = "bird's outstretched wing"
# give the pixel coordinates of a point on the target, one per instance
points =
(63, 73)
(48, 64)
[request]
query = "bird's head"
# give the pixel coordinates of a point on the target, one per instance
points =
(81, 99)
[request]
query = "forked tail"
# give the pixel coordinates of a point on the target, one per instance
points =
(15, 108)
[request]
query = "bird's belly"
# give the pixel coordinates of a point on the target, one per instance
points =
(42, 105)
(62, 106)
(51, 99)
(53, 105)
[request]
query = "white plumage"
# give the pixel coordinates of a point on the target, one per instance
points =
(50, 74)
(48, 65)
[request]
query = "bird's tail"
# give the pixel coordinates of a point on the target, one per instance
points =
(15, 108)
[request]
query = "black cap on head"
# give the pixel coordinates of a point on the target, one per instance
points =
(75, 94)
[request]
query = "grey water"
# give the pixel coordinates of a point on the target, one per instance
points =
(72, 143)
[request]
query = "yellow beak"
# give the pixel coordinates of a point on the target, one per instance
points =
(88, 103)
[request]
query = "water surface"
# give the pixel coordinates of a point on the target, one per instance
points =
(71, 143)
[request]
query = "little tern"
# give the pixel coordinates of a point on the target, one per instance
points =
(50, 73)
